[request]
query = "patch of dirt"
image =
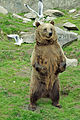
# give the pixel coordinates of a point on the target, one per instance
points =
(11, 94)
(66, 90)
(77, 106)
(25, 72)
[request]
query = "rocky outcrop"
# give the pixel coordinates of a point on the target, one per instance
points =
(28, 37)
(65, 37)
(50, 13)
(72, 11)
(25, 20)
(30, 15)
(71, 62)
(70, 26)
(3, 10)
(18, 5)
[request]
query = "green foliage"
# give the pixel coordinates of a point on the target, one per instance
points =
(15, 72)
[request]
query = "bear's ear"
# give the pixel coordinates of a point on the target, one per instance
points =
(37, 24)
(52, 22)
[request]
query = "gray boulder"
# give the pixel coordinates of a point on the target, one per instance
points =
(3, 10)
(25, 20)
(30, 15)
(70, 26)
(28, 37)
(72, 11)
(71, 62)
(51, 13)
(78, 37)
(50, 18)
(17, 6)
(65, 37)
(76, 16)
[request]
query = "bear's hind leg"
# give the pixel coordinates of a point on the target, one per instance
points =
(35, 96)
(54, 94)
(33, 99)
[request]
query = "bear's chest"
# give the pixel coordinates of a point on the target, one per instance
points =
(49, 56)
(49, 53)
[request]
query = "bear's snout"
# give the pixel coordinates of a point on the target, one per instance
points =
(50, 34)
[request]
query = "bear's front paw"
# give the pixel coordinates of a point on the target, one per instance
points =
(41, 69)
(63, 65)
(44, 71)
(57, 105)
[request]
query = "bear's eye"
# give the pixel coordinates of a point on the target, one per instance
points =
(51, 29)
(45, 29)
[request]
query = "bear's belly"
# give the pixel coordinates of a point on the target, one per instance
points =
(50, 58)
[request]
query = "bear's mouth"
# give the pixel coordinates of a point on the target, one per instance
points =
(48, 37)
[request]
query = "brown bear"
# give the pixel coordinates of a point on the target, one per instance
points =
(48, 61)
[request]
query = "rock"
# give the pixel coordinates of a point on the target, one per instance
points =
(28, 37)
(79, 12)
(70, 26)
(3, 10)
(30, 16)
(20, 17)
(78, 37)
(17, 6)
(65, 37)
(77, 15)
(50, 18)
(51, 13)
(71, 62)
(72, 11)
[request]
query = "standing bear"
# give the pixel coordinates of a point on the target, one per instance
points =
(47, 61)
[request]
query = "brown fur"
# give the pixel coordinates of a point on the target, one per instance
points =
(47, 61)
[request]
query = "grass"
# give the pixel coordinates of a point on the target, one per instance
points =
(10, 25)
(15, 71)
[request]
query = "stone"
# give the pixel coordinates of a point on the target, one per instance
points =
(30, 16)
(3, 10)
(72, 11)
(20, 17)
(28, 37)
(77, 15)
(17, 6)
(71, 62)
(79, 12)
(78, 37)
(70, 26)
(51, 13)
(50, 18)
(65, 37)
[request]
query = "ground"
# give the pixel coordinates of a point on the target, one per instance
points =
(15, 72)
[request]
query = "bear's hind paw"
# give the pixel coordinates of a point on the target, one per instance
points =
(57, 105)
(32, 107)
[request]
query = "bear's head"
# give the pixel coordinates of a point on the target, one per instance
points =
(45, 33)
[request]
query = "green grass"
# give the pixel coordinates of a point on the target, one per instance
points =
(10, 25)
(15, 71)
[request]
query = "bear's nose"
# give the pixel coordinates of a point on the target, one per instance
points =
(50, 34)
